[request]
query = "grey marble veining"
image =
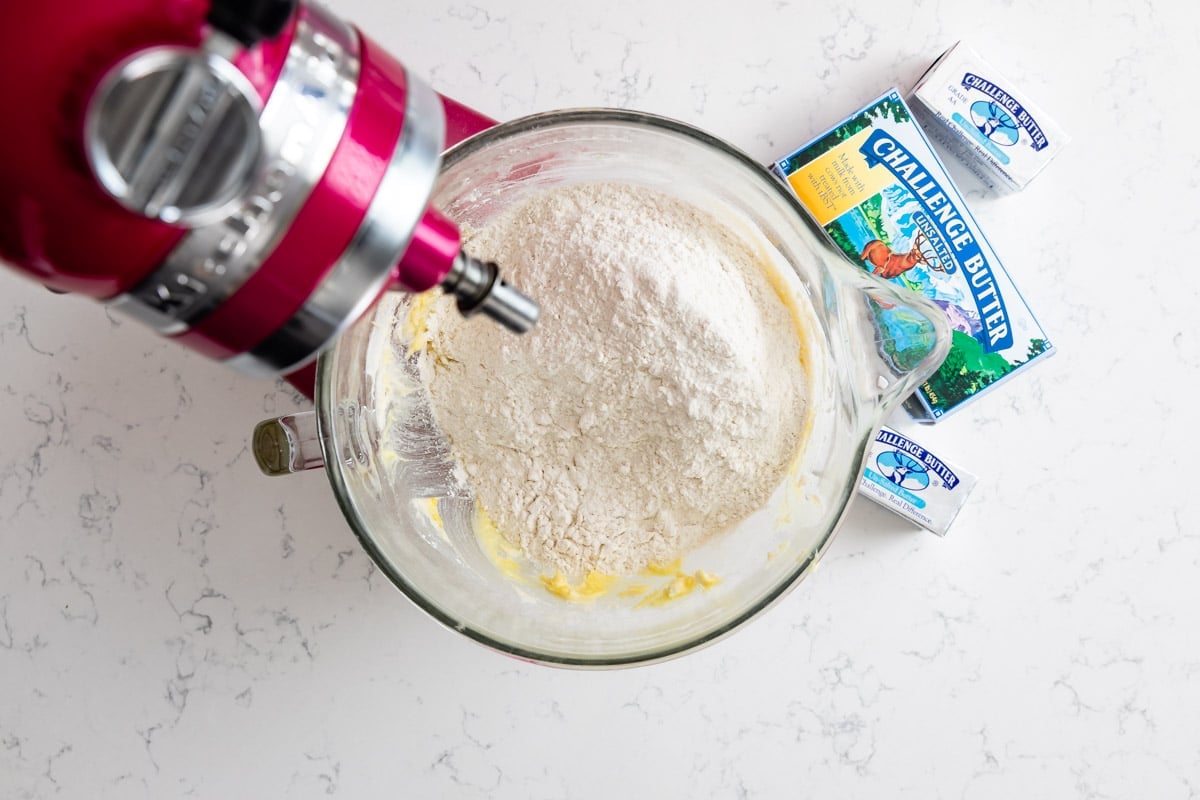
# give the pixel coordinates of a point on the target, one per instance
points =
(174, 625)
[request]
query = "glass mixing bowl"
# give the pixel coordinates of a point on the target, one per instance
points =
(390, 466)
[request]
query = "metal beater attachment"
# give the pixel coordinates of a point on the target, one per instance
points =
(477, 285)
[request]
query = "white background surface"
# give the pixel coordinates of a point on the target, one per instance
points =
(173, 625)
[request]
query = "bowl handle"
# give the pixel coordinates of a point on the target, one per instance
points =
(288, 444)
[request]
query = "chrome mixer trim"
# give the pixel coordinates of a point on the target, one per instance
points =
(172, 133)
(302, 123)
(365, 267)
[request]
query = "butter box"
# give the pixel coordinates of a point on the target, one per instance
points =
(984, 120)
(915, 482)
(875, 185)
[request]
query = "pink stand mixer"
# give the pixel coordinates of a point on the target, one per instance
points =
(248, 177)
(245, 177)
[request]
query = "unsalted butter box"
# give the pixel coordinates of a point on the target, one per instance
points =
(984, 120)
(876, 187)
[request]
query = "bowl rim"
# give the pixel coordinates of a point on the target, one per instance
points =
(333, 465)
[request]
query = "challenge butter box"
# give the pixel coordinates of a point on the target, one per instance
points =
(914, 482)
(876, 187)
(985, 120)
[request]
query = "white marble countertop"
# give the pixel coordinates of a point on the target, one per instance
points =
(174, 625)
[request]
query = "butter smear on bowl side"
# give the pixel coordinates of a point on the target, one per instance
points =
(875, 185)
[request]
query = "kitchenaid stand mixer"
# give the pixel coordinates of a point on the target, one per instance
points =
(246, 178)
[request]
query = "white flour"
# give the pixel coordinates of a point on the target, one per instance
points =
(660, 399)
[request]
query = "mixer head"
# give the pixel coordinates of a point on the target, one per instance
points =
(271, 169)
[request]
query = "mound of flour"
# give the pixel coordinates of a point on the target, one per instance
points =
(660, 399)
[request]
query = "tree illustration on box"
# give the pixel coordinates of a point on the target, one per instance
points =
(967, 369)
(872, 211)
(882, 110)
(842, 240)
